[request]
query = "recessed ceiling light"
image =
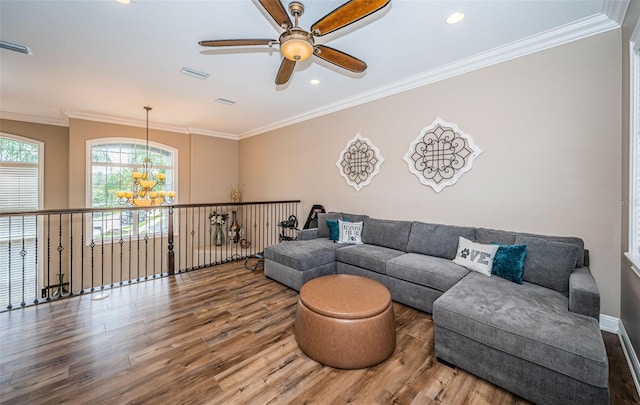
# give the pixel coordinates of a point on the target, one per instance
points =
(194, 73)
(225, 101)
(455, 18)
(314, 81)
(124, 1)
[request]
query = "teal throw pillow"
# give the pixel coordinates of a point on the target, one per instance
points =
(509, 262)
(334, 230)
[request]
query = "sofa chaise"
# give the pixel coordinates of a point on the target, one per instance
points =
(539, 339)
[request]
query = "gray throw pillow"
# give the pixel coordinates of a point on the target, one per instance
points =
(547, 263)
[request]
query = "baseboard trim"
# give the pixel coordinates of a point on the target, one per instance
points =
(630, 355)
(609, 323)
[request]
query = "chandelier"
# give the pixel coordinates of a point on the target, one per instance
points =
(145, 181)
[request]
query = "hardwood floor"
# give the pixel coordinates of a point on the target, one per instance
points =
(222, 335)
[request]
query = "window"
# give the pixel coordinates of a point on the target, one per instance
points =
(634, 144)
(111, 163)
(20, 190)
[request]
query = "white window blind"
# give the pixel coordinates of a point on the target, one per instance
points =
(20, 167)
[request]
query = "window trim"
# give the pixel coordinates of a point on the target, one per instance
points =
(633, 253)
(90, 143)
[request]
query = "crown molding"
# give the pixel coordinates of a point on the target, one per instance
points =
(215, 134)
(615, 10)
(142, 124)
(124, 121)
(580, 29)
(36, 119)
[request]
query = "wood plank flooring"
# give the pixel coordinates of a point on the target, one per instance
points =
(222, 335)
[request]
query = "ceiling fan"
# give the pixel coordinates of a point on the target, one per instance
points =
(297, 44)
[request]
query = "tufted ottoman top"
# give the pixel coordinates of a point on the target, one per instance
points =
(345, 296)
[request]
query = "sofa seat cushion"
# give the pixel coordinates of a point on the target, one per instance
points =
(369, 257)
(527, 321)
(435, 272)
(303, 254)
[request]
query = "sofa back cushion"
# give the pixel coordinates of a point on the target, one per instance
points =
(548, 263)
(386, 233)
(509, 238)
(487, 236)
(437, 240)
(323, 228)
(353, 217)
(563, 239)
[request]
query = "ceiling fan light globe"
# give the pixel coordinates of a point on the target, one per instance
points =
(296, 50)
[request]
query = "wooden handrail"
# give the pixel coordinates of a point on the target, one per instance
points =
(129, 208)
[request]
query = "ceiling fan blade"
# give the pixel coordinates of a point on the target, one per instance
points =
(346, 14)
(277, 12)
(340, 58)
(237, 42)
(285, 71)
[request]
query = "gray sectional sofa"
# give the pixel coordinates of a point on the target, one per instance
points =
(539, 339)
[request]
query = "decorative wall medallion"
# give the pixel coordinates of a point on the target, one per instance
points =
(359, 162)
(441, 154)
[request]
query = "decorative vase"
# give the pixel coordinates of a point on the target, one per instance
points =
(234, 229)
(218, 235)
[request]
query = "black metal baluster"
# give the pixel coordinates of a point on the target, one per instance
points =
(23, 253)
(48, 257)
(193, 232)
(254, 242)
(138, 252)
(161, 243)
(102, 252)
(9, 306)
(121, 242)
(153, 241)
(60, 249)
(93, 257)
(171, 264)
(146, 244)
(35, 284)
(179, 211)
(197, 247)
(210, 238)
(82, 255)
(112, 249)
(133, 224)
(71, 254)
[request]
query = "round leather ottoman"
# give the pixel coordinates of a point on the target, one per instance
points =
(345, 321)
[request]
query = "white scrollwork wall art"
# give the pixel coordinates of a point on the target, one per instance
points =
(441, 154)
(359, 162)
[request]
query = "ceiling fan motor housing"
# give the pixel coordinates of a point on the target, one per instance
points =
(296, 44)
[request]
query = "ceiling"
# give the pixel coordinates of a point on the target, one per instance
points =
(102, 60)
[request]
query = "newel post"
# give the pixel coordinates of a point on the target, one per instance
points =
(170, 254)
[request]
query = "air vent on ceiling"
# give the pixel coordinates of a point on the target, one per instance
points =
(225, 101)
(14, 47)
(194, 73)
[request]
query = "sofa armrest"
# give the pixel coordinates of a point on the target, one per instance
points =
(308, 234)
(584, 297)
